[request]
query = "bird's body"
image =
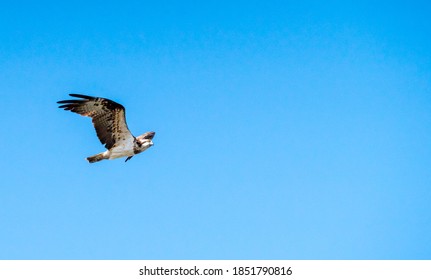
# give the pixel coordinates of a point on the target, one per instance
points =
(110, 123)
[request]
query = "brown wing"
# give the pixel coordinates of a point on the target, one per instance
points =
(108, 117)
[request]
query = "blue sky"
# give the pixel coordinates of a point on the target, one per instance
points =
(285, 130)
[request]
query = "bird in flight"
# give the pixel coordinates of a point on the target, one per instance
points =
(109, 120)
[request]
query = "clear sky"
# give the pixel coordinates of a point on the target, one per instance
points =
(285, 130)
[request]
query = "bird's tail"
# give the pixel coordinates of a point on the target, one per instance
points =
(97, 157)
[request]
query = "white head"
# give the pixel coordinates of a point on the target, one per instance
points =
(144, 141)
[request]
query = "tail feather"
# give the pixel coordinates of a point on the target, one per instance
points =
(97, 158)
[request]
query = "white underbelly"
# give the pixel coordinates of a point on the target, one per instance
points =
(121, 151)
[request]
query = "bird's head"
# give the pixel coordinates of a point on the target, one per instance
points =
(145, 140)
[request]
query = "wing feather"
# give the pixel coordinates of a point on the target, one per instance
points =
(108, 117)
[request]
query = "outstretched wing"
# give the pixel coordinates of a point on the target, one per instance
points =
(108, 117)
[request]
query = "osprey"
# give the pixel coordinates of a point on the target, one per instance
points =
(109, 120)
